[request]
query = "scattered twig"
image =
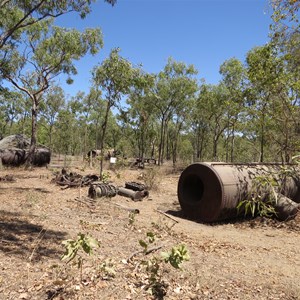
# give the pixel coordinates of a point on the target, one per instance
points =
(37, 240)
(88, 203)
(135, 210)
(166, 215)
(145, 252)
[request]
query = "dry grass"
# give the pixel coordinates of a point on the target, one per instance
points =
(232, 260)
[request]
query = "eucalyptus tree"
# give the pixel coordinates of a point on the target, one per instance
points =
(68, 138)
(286, 30)
(216, 97)
(286, 100)
(181, 119)
(175, 85)
(10, 110)
(114, 77)
(233, 77)
(141, 114)
(85, 103)
(92, 112)
(200, 118)
(65, 128)
(17, 15)
(267, 78)
(49, 51)
(286, 39)
(285, 18)
(209, 120)
(54, 101)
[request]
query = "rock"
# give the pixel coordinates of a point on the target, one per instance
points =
(24, 296)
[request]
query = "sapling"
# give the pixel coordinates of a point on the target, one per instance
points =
(84, 243)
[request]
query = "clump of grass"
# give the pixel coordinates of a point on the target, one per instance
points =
(151, 178)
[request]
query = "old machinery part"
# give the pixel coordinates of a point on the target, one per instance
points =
(210, 192)
(98, 190)
(135, 186)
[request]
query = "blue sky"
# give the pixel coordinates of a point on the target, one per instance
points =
(204, 33)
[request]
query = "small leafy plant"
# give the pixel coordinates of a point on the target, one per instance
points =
(107, 269)
(176, 256)
(106, 177)
(263, 195)
(83, 243)
(131, 217)
(145, 244)
(154, 266)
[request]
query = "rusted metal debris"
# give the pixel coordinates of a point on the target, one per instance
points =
(140, 162)
(100, 189)
(134, 190)
(73, 179)
(135, 186)
(134, 195)
(210, 192)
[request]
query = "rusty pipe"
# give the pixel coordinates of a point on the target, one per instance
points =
(134, 195)
(210, 192)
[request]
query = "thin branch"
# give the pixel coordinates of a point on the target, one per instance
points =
(145, 252)
(19, 24)
(166, 215)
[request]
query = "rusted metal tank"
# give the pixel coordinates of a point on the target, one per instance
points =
(210, 192)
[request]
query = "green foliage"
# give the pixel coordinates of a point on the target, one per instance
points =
(19, 16)
(131, 217)
(186, 150)
(107, 269)
(114, 77)
(176, 256)
(263, 197)
(251, 115)
(154, 266)
(106, 177)
(155, 285)
(145, 244)
(83, 242)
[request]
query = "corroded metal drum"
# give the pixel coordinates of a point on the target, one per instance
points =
(211, 192)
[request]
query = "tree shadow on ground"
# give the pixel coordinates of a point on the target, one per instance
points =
(21, 189)
(21, 238)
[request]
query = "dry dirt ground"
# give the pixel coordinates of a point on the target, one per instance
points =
(244, 259)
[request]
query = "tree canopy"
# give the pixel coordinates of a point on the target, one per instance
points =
(251, 114)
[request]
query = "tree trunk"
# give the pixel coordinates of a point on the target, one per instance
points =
(262, 141)
(34, 112)
(232, 144)
(162, 128)
(104, 125)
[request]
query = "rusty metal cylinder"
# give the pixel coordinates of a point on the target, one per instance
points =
(210, 192)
